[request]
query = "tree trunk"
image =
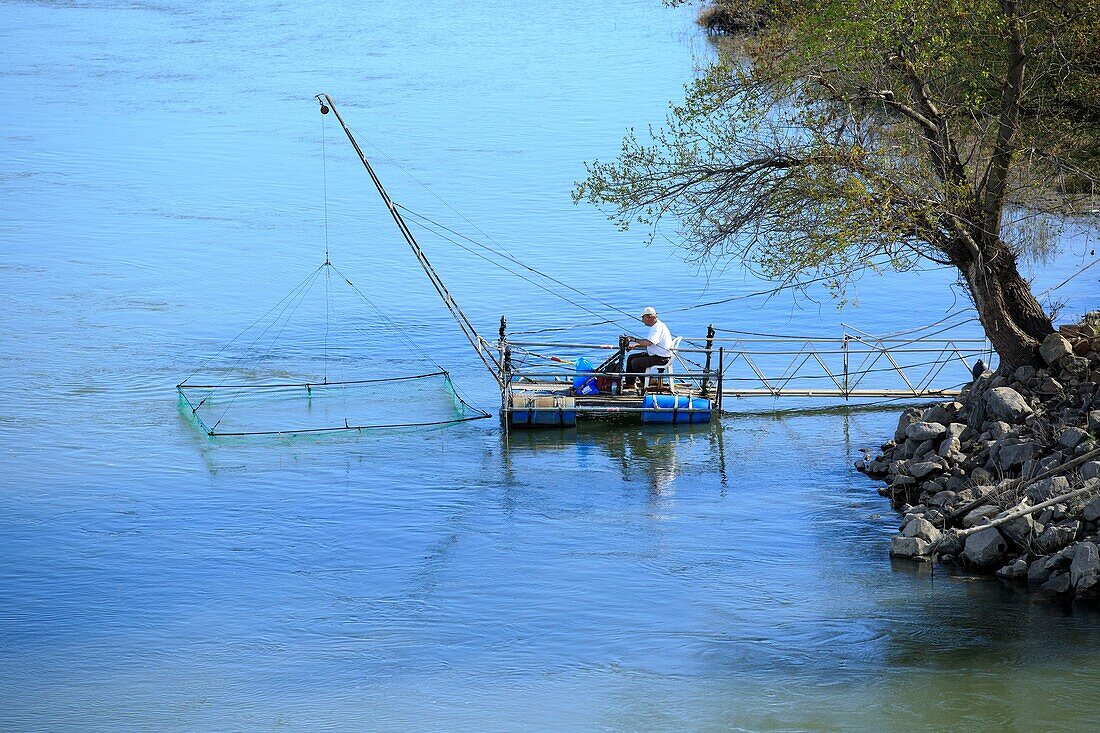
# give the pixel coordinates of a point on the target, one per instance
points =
(1013, 319)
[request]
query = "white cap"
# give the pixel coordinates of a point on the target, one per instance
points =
(649, 312)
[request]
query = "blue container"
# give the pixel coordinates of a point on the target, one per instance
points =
(668, 408)
(543, 412)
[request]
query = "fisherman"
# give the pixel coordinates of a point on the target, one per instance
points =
(657, 345)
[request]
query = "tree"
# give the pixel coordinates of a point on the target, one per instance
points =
(882, 133)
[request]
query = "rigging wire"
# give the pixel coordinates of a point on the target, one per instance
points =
(495, 263)
(464, 323)
(263, 356)
(499, 251)
(286, 297)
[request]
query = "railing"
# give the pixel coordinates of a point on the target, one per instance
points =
(846, 367)
(853, 366)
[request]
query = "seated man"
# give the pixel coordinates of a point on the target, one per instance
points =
(657, 345)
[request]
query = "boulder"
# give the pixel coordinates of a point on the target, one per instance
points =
(1006, 404)
(1074, 367)
(985, 547)
(942, 413)
(1094, 422)
(1090, 470)
(1084, 569)
(1059, 583)
(1054, 347)
(1070, 437)
(980, 515)
(901, 481)
(910, 416)
(1012, 455)
(952, 543)
(921, 528)
(1050, 386)
(922, 450)
(925, 431)
(909, 547)
(1092, 510)
(951, 443)
(923, 469)
(981, 477)
(1047, 488)
(997, 428)
(941, 498)
(1024, 374)
(1015, 570)
(1040, 570)
(1056, 537)
(1020, 529)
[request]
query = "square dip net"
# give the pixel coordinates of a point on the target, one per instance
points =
(319, 362)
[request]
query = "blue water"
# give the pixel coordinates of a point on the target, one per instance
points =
(163, 185)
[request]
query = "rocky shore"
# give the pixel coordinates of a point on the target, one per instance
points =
(1006, 480)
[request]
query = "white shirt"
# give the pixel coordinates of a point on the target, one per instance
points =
(660, 340)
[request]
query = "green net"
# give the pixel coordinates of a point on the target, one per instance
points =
(315, 363)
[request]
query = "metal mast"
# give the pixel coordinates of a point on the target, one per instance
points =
(480, 345)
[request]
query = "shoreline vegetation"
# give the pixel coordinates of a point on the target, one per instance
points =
(1006, 480)
(726, 18)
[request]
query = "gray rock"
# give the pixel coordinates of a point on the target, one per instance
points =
(925, 430)
(1005, 403)
(981, 477)
(923, 449)
(1020, 529)
(980, 515)
(1084, 569)
(1090, 470)
(997, 428)
(1050, 386)
(943, 413)
(1058, 583)
(951, 445)
(922, 529)
(985, 547)
(1054, 347)
(1039, 571)
(1024, 374)
(923, 469)
(1094, 422)
(1092, 510)
(1047, 488)
(1056, 536)
(1012, 455)
(908, 547)
(941, 498)
(901, 481)
(910, 416)
(952, 543)
(1015, 570)
(1074, 367)
(1070, 437)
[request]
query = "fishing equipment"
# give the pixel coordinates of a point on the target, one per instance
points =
(342, 371)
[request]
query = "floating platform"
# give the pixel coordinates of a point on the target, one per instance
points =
(553, 404)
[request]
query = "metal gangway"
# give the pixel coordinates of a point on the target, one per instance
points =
(852, 366)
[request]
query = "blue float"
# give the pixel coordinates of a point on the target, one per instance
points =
(668, 408)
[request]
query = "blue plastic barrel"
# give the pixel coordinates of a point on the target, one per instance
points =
(669, 408)
(542, 411)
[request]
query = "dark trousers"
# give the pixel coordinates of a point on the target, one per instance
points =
(641, 362)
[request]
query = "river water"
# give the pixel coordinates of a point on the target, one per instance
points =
(163, 185)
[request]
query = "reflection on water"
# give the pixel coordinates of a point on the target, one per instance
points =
(655, 452)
